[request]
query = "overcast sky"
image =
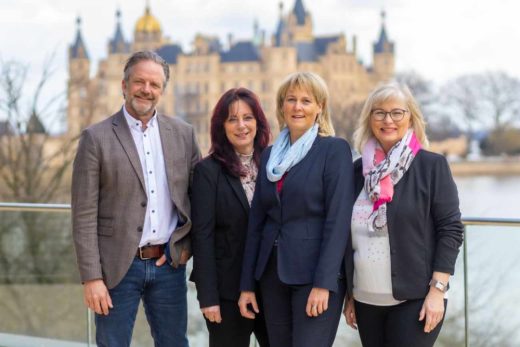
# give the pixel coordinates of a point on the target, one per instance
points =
(439, 39)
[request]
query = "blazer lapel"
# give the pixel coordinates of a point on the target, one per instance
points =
(393, 206)
(174, 152)
(124, 136)
(236, 185)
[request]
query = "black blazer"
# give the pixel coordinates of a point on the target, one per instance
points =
(219, 211)
(310, 218)
(424, 226)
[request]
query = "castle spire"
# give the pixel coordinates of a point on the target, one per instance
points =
(118, 43)
(383, 45)
(299, 12)
(77, 49)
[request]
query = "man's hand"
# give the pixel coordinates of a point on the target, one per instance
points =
(212, 313)
(96, 297)
(245, 299)
(185, 256)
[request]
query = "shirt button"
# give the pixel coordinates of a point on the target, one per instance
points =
(143, 203)
(153, 230)
(150, 172)
(153, 191)
(153, 211)
(139, 228)
(148, 153)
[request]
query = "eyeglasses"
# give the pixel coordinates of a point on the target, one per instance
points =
(396, 114)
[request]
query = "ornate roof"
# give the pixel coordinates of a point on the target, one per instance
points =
(299, 12)
(147, 23)
(78, 49)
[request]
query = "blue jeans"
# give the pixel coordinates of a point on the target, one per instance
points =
(163, 290)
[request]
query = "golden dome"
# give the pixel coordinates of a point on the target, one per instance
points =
(147, 23)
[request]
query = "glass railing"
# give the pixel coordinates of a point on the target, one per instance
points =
(41, 301)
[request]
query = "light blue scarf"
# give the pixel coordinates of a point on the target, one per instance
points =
(284, 156)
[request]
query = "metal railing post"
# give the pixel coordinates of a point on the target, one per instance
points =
(466, 290)
(89, 328)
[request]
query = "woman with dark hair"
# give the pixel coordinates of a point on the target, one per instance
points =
(222, 190)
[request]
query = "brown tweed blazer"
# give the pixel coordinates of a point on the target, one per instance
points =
(109, 198)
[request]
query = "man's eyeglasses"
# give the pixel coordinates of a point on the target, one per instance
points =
(396, 114)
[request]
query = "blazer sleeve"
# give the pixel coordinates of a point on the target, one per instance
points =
(203, 202)
(446, 218)
(339, 198)
(84, 200)
(257, 217)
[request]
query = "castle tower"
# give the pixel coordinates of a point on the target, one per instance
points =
(79, 79)
(148, 32)
(295, 28)
(299, 24)
(384, 59)
(118, 45)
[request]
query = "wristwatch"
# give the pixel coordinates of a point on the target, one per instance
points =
(443, 287)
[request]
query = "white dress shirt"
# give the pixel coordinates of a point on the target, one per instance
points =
(161, 214)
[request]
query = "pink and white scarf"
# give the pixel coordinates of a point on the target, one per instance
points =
(383, 172)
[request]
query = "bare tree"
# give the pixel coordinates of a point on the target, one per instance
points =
(34, 167)
(462, 99)
(422, 89)
(500, 95)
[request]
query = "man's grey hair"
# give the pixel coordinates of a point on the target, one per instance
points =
(143, 56)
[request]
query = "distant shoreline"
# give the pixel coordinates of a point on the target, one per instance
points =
(509, 167)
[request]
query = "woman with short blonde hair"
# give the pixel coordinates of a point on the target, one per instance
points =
(406, 228)
(299, 221)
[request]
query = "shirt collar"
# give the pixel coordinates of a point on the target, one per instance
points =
(136, 123)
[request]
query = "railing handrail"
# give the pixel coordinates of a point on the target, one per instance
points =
(35, 207)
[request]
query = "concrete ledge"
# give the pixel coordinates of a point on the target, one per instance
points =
(509, 167)
(10, 340)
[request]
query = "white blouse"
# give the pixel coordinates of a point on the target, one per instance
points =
(372, 270)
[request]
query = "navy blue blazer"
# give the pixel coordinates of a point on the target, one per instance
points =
(310, 218)
(424, 226)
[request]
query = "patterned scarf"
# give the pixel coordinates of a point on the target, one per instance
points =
(284, 156)
(383, 172)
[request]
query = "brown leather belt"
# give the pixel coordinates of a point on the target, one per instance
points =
(150, 252)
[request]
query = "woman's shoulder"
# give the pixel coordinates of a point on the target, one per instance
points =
(333, 142)
(428, 157)
(209, 163)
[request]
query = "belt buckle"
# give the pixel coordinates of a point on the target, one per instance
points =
(141, 254)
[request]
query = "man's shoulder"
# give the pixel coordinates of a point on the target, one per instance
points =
(175, 122)
(105, 124)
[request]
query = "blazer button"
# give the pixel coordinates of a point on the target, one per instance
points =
(143, 203)
(392, 251)
(393, 274)
(139, 228)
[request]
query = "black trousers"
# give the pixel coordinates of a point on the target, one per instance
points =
(235, 330)
(287, 323)
(394, 326)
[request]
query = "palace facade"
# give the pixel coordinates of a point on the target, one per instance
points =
(200, 76)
